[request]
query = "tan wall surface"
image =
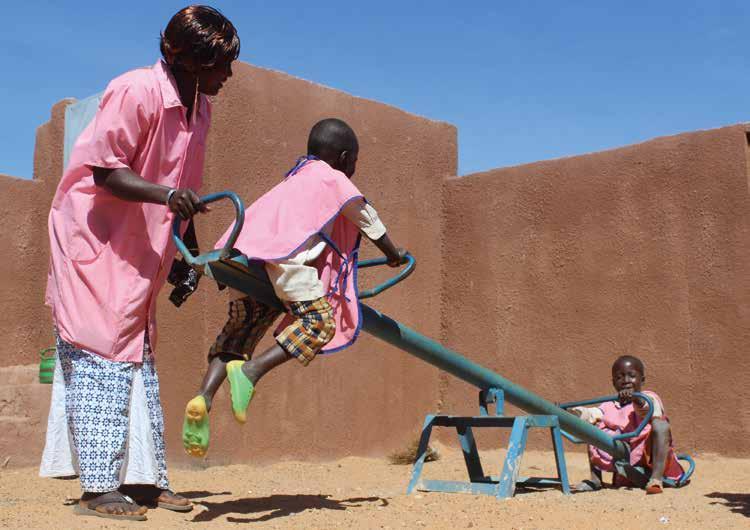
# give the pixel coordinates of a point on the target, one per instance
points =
(558, 267)
(26, 325)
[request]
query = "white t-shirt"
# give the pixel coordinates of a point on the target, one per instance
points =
(294, 280)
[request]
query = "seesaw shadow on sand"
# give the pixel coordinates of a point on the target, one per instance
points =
(278, 506)
(202, 494)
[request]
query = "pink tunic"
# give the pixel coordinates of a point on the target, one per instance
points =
(109, 257)
(619, 419)
(284, 218)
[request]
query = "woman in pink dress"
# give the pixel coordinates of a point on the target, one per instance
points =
(136, 166)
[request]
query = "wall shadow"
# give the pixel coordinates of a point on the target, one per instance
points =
(736, 502)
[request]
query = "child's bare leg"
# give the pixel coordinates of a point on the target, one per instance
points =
(195, 427)
(244, 376)
(596, 475)
(265, 362)
(660, 437)
(215, 375)
(313, 327)
(594, 483)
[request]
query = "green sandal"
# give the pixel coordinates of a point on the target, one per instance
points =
(241, 388)
(195, 429)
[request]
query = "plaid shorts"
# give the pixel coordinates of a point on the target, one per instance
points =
(313, 328)
(248, 321)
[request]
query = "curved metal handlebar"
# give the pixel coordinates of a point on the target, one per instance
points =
(685, 474)
(622, 436)
(405, 272)
(239, 220)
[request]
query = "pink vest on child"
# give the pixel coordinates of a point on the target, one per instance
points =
(281, 221)
(624, 418)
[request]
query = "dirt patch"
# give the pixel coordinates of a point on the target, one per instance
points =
(370, 493)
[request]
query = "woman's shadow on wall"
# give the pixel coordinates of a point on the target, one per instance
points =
(736, 502)
(278, 506)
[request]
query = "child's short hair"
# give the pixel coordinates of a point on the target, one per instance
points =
(635, 361)
(202, 33)
(331, 136)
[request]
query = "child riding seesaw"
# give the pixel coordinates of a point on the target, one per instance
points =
(306, 231)
(652, 449)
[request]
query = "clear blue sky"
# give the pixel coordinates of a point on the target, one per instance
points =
(522, 80)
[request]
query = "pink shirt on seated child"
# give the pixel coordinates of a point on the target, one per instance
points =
(614, 418)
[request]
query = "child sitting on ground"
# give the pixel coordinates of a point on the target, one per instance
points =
(651, 449)
(306, 230)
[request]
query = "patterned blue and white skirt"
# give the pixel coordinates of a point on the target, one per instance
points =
(105, 422)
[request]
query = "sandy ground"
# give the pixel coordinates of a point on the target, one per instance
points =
(370, 493)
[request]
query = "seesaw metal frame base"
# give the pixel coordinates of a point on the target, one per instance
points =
(503, 486)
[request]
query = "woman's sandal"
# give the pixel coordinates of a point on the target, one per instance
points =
(131, 510)
(167, 505)
(154, 497)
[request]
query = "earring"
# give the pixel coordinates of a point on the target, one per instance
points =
(195, 100)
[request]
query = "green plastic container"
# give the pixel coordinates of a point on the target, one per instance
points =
(47, 366)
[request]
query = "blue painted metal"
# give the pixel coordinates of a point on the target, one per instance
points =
(502, 486)
(683, 480)
(402, 275)
(424, 440)
(471, 455)
(489, 396)
(452, 486)
(539, 481)
(393, 332)
(640, 475)
(560, 464)
(249, 277)
(622, 436)
(209, 257)
(512, 467)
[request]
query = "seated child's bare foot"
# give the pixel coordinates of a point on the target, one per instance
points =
(654, 486)
(195, 429)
